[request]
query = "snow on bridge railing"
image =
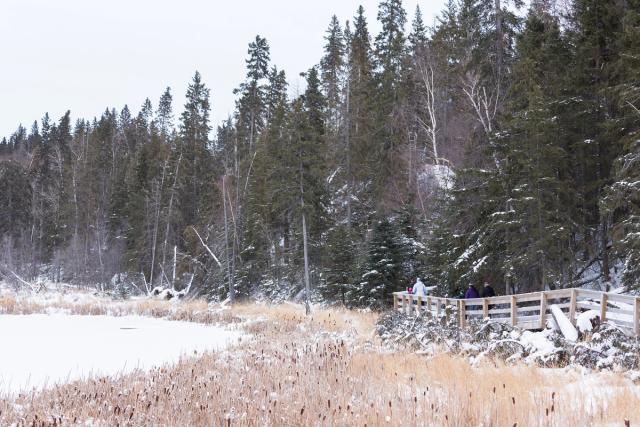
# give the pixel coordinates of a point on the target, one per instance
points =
(530, 310)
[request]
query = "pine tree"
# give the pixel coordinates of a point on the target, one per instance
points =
(418, 37)
(251, 103)
(164, 113)
(360, 151)
(195, 191)
(597, 33)
(382, 274)
(341, 265)
(332, 67)
(539, 199)
(621, 201)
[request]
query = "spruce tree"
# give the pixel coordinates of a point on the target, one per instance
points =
(195, 191)
(164, 113)
(332, 65)
(382, 273)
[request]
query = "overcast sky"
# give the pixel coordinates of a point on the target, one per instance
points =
(86, 55)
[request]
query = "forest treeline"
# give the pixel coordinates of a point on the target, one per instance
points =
(499, 144)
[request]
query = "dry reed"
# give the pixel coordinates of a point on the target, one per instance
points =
(326, 370)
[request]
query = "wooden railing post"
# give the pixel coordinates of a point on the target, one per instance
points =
(438, 308)
(419, 304)
(429, 304)
(636, 316)
(543, 310)
(462, 312)
(395, 301)
(514, 311)
(572, 306)
(485, 308)
(603, 307)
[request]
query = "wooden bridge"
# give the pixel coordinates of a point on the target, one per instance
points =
(531, 310)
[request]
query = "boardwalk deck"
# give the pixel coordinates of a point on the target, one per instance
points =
(531, 310)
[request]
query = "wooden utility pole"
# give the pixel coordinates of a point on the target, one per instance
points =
(232, 291)
(307, 287)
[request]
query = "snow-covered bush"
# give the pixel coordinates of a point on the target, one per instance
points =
(604, 347)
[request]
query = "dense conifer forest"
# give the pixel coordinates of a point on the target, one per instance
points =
(500, 144)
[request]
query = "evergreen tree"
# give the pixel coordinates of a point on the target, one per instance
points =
(382, 274)
(341, 265)
(195, 190)
(621, 202)
(164, 113)
(332, 66)
(418, 37)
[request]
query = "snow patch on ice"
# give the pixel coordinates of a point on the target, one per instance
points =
(40, 350)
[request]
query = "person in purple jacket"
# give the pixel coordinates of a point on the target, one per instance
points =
(471, 293)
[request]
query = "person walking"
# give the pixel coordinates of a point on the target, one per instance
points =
(471, 293)
(488, 291)
(419, 288)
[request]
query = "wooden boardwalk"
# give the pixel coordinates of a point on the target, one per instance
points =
(531, 310)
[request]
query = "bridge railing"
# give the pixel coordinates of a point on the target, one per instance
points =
(530, 310)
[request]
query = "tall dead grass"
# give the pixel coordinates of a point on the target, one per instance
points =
(197, 311)
(326, 370)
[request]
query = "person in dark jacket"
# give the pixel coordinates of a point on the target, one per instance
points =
(471, 292)
(488, 291)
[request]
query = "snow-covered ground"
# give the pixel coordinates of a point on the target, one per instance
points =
(39, 350)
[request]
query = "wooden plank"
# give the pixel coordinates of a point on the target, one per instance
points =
(429, 304)
(485, 308)
(395, 301)
(543, 310)
(463, 317)
(621, 311)
(566, 327)
(628, 299)
(500, 300)
(525, 310)
(572, 307)
(589, 293)
(636, 316)
(603, 307)
(559, 293)
(528, 298)
(438, 308)
(587, 306)
(514, 309)
(495, 311)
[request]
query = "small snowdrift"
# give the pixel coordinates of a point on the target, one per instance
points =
(39, 350)
(587, 321)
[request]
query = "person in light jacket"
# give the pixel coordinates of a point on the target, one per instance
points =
(419, 288)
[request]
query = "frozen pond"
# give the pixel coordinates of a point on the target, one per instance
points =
(38, 350)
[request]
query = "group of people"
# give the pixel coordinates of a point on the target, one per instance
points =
(472, 292)
(419, 288)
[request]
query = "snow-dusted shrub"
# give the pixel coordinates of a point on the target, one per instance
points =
(605, 347)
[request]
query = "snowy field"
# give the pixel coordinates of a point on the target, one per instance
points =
(40, 350)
